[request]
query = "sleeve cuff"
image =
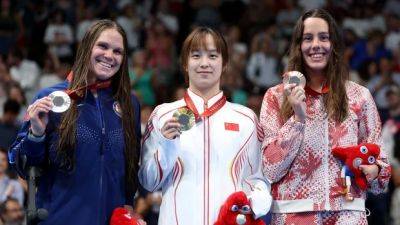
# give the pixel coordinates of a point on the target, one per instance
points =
(260, 202)
(169, 151)
(34, 138)
(33, 146)
(296, 123)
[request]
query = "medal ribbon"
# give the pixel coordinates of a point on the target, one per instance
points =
(208, 111)
(77, 94)
(325, 89)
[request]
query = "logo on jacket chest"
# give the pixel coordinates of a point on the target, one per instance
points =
(117, 109)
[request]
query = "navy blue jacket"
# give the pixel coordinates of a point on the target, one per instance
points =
(88, 194)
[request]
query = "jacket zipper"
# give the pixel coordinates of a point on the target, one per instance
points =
(206, 168)
(326, 163)
(103, 136)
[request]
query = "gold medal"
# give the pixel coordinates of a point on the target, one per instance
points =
(185, 117)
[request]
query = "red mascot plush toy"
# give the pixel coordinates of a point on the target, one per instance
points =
(236, 211)
(121, 216)
(354, 156)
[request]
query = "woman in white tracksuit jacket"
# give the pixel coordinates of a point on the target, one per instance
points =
(197, 169)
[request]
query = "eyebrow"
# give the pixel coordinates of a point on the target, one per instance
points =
(106, 43)
(318, 33)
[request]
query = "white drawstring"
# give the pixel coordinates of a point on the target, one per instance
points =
(367, 212)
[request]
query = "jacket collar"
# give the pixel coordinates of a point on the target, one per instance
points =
(200, 104)
(310, 91)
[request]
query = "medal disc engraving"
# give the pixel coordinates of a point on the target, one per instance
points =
(61, 101)
(185, 117)
(294, 77)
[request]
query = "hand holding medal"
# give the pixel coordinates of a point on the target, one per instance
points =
(37, 114)
(182, 120)
(293, 84)
(171, 128)
(58, 102)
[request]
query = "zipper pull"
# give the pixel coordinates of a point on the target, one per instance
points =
(103, 130)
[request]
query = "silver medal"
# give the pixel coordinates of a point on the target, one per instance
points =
(61, 101)
(294, 77)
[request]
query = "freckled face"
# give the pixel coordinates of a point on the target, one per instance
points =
(107, 54)
(316, 46)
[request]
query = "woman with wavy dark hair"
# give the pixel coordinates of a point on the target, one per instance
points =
(89, 153)
(302, 124)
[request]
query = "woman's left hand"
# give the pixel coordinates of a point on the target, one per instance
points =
(370, 171)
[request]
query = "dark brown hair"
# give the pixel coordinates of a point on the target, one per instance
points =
(335, 101)
(121, 93)
(197, 40)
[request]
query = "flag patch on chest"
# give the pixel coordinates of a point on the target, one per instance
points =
(231, 126)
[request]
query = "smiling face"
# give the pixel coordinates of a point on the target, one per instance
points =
(204, 67)
(316, 46)
(107, 54)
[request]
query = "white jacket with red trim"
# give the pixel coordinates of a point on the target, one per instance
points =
(298, 158)
(196, 172)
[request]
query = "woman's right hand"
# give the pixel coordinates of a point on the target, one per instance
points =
(171, 128)
(38, 115)
(296, 97)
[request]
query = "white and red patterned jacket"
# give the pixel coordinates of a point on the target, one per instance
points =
(297, 157)
(196, 172)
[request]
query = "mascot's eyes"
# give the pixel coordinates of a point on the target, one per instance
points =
(363, 149)
(371, 159)
(234, 208)
(245, 209)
